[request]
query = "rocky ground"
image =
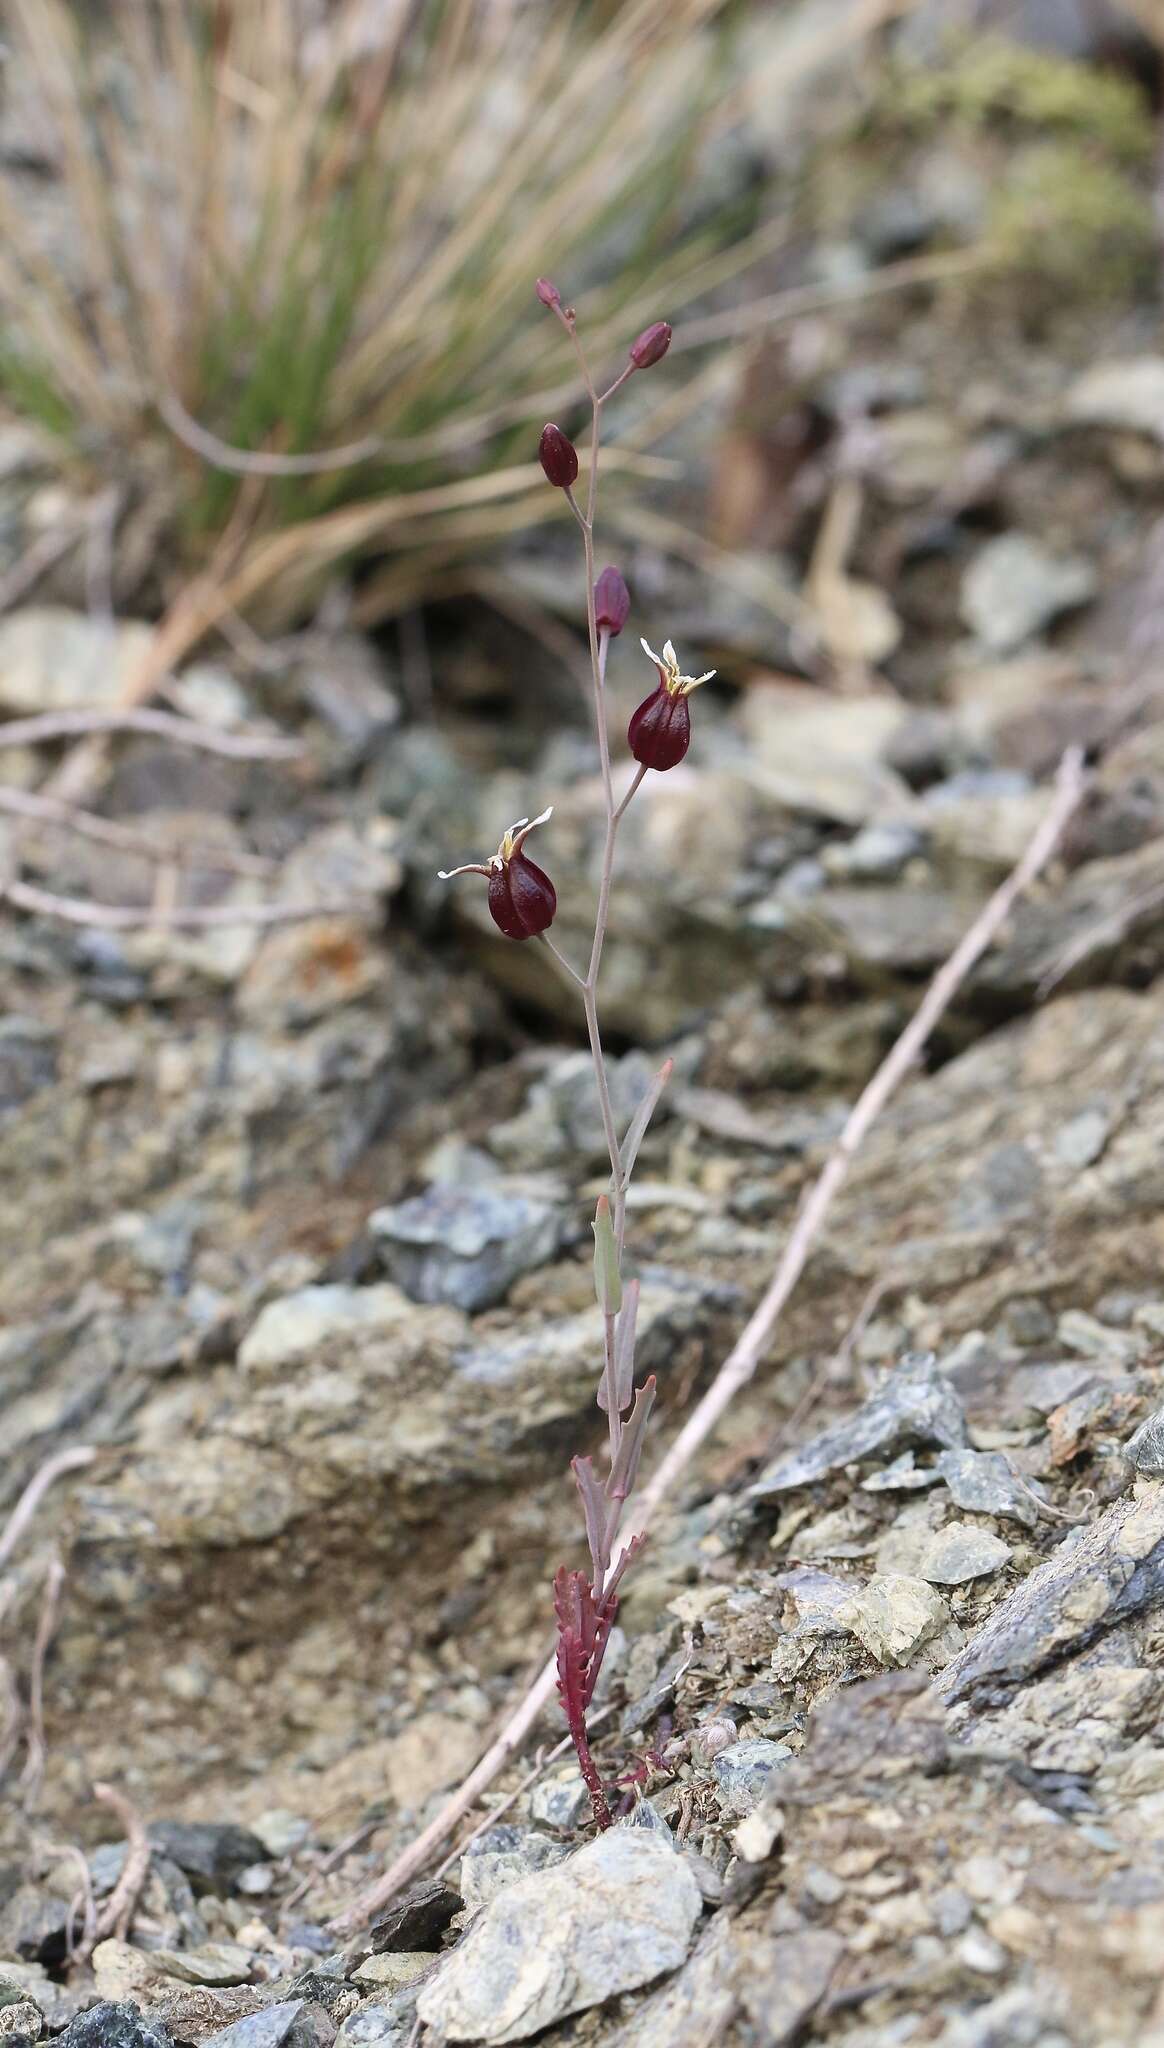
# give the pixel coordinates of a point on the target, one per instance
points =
(296, 1243)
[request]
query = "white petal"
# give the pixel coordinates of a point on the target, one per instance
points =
(669, 654)
(651, 652)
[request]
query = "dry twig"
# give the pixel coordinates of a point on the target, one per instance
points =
(125, 917)
(45, 1630)
(741, 1362)
(117, 1912)
(34, 1492)
(248, 461)
(162, 725)
(51, 811)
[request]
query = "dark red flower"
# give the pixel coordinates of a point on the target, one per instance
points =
(611, 603)
(548, 293)
(659, 733)
(558, 457)
(651, 345)
(522, 899)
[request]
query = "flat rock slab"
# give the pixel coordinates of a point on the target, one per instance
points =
(619, 1913)
(959, 1552)
(793, 1976)
(915, 1404)
(275, 2027)
(465, 1246)
(1145, 1447)
(115, 2026)
(984, 1482)
(893, 1615)
(1098, 1576)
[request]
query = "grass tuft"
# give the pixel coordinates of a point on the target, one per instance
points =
(309, 239)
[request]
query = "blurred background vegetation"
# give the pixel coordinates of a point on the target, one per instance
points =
(265, 268)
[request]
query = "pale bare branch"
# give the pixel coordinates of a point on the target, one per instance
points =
(46, 1628)
(252, 462)
(65, 817)
(26, 1507)
(125, 917)
(163, 725)
(116, 1914)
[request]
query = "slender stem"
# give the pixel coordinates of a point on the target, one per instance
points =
(575, 507)
(618, 382)
(613, 1418)
(636, 779)
(590, 1006)
(590, 1777)
(563, 963)
(598, 670)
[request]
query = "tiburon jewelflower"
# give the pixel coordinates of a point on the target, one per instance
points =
(651, 345)
(659, 733)
(522, 904)
(558, 457)
(522, 898)
(611, 602)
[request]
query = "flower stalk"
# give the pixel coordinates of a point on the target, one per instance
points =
(522, 903)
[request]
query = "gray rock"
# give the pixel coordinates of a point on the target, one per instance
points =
(893, 1615)
(1145, 1447)
(1093, 1339)
(1015, 587)
(984, 1483)
(114, 2026)
(1098, 1576)
(744, 1772)
(560, 1800)
(786, 1980)
(418, 1920)
(393, 1972)
(275, 2027)
(617, 1914)
(914, 1404)
(300, 1324)
(1081, 1140)
(51, 658)
(959, 1553)
(342, 677)
(32, 1925)
(699, 2002)
(387, 2024)
(214, 1851)
(903, 1475)
(500, 1856)
(877, 853)
(1077, 931)
(20, 2021)
(562, 1117)
(1128, 396)
(463, 1245)
(903, 929)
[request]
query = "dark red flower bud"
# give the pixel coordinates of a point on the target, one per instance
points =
(659, 733)
(651, 346)
(522, 898)
(611, 602)
(660, 730)
(558, 457)
(548, 293)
